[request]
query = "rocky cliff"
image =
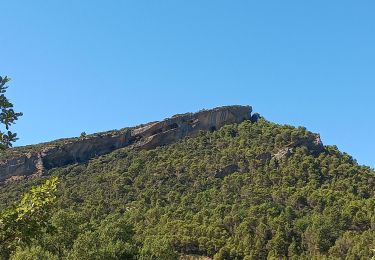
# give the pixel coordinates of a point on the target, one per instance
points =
(28, 162)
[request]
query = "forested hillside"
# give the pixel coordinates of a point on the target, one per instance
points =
(254, 190)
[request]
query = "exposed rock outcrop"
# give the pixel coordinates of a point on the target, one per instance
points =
(143, 137)
(313, 143)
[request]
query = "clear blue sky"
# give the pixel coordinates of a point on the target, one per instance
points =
(99, 65)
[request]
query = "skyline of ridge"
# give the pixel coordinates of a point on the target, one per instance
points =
(122, 64)
(229, 106)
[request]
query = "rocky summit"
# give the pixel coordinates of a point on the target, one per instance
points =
(29, 161)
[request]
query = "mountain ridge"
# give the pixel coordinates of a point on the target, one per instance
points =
(34, 160)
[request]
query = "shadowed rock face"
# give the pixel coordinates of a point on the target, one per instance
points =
(148, 136)
(226, 171)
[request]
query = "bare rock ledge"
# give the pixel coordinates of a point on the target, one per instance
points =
(147, 136)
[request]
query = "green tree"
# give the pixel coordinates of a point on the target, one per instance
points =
(7, 116)
(32, 253)
(112, 239)
(158, 248)
(26, 220)
(65, 230)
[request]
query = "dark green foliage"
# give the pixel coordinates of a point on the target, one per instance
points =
(111, 239)
(32, 253)
(157, 247)
(164, 202)
(7, 116)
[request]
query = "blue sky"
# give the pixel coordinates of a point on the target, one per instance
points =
(99, 65)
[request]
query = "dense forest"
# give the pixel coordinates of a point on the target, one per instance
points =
(247, 191)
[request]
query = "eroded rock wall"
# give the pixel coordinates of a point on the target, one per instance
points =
(148, 136)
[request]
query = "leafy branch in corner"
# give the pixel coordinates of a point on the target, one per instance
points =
(29, 218)
(7, 116)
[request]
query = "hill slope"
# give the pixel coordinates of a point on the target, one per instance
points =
(253, 190)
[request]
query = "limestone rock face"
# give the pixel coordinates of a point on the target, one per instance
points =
(179, 126)
(313, 143)
(146, 136)
(19, 166)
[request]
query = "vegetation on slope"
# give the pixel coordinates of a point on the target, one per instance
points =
(172, 200)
